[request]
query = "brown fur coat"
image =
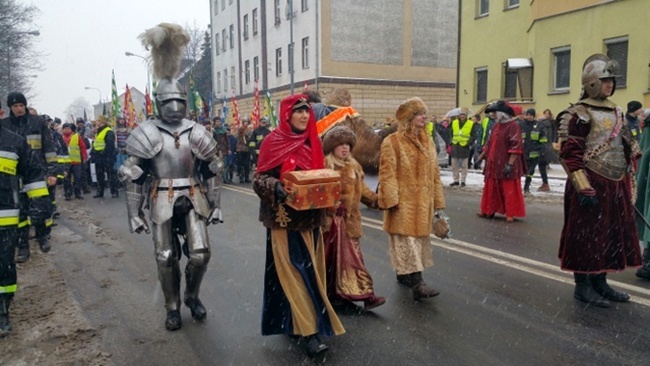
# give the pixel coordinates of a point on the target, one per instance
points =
(409, 177)
(353, 191)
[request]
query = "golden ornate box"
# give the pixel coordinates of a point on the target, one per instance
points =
(312, 189)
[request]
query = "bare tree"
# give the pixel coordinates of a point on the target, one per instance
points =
(18, 58)
(77, 109)
(194, 49)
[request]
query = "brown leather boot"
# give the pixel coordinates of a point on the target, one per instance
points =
(420, 289)
(404, 280)
(544, 188)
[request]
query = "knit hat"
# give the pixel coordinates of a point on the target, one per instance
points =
(409, 108)
(531, 111)
(336, 136)
(102, 119)
(634, 106)
(16, 98)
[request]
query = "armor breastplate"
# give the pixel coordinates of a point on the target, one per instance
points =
(174, 162)
(608, 157)
(174, 169)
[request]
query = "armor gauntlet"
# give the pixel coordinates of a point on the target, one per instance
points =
(213, 191)
(134, 203)
(579, 180)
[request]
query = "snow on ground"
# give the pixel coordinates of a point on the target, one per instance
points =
(556, 181)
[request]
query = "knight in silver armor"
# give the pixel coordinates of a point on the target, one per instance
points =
(180, 156)
(599, 153)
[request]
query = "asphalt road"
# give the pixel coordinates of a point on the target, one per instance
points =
(503, 299)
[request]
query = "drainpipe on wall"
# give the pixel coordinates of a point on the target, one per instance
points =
(317, 55)
(239, 72)
(460, 7)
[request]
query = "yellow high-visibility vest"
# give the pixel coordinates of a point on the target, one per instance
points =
(461, 135)
(73, 149)
(100, 144)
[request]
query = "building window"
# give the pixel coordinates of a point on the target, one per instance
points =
(483, 7)
(216, 7)
(510, 84)
(217, 46)
(480, 83)
(512, 4)
(225, 80)
(278, 62)
(246, 26)
(277, 12)
(223, 4)
(218, 82)
(255, 21)
(229, 2)
(561, 68)
(223, 40)
(233, 77)
(232, 36)
(304, 5)
(256, 68)
(247, 71)
(518, 79)
(305, 53)
(617, 50)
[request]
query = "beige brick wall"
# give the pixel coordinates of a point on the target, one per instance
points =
(373, 102)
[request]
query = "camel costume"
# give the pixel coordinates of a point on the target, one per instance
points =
(410, 190)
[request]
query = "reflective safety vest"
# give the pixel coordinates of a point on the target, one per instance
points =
(73, 149)
(100, 143)
(8, 162)
(461, 135)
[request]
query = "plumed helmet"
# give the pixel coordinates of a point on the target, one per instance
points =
(169, 89)
(336, 136)
(596, 68)
(79, 119)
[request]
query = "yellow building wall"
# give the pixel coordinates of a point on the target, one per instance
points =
(504, 35)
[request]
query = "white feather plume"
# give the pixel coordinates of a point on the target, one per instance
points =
(167, 44)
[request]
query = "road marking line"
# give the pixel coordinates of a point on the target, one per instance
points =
(523, 264)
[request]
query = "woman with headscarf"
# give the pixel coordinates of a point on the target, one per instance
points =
(295, 296)
(410, 190)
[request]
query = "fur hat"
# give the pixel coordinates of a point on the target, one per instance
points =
(336, 136)
(102, 119)
(339, 97)
(531, 112)
(409, 108)
(16, 98)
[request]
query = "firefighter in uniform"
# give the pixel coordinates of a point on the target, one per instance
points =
(257, 137)
(62, 163)
(17, 165)
(181, 157)
(38, 137)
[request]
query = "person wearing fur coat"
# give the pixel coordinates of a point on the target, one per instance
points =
(410, 190)
(347, 276)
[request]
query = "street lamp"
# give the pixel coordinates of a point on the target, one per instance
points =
(99, 91)
(127, 53)
(34, 33)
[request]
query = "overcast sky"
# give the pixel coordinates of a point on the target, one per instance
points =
(83, 40)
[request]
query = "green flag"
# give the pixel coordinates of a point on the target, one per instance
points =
(116, 108)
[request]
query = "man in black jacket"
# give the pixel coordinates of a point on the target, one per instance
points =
(16, 162)
(38, 137)
(103, 155)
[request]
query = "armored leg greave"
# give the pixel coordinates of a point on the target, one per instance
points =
(169, 273)
(199, 248)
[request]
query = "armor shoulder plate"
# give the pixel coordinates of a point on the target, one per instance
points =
(202, 143)
(145, 141)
